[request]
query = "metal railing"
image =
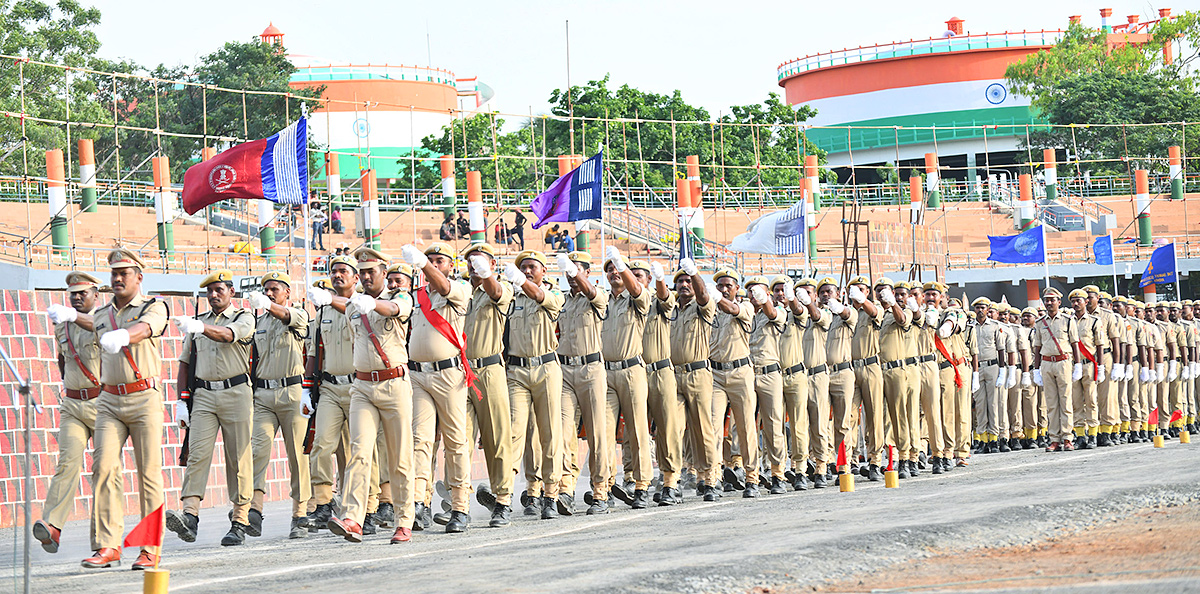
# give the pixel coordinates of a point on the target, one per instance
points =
(337, 72)
(1082, 254)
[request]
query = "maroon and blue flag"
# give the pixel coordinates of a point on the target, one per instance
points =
(575, 196)
(274, 169)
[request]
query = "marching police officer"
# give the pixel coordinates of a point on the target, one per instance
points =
(733, 378)
(667, 406)
(868, 375)
(768, 325)
(690, 334)
(1056, 350)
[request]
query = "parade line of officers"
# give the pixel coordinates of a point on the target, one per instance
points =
(727, 384)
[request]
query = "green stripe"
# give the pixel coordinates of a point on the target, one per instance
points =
(1012, 121)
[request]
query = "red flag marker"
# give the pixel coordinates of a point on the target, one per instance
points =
(1175, 416)
(1153, 420)
(148, 532)
(891, 458)
(841, 461)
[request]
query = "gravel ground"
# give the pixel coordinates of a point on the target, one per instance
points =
(801, 541)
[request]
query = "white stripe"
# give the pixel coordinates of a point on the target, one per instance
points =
(1176, 171)
(57, 197)
(288, 188)
(87, 176)
(1050, 175)
(476, 211)
(921, 99)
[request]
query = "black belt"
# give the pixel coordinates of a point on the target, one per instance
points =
(861, 363)
(224, 384)
(435, 366)
(484, 362)
(655, 366)
(772, 368)
(619, 365)
(911, 361)
(926, 358)
(581, 360)
(893, 364)
(840, 367)
(730, 365)
(1134, 360)
(797, 368)
(532, 361)
(693, 366)
(818, 370)
(989, 362)
(1106, 351)
(278, 383)
(338, 379)
(945, 365)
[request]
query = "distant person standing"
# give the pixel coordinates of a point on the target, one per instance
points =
(518, 230)
(318, 228)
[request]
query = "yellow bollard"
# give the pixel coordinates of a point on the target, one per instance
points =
(846, 482)
(891, 479)
(1158, 441)
(155, 581)
(1185, 437)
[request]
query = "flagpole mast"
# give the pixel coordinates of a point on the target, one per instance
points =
(1045, 255)
(1178, 280)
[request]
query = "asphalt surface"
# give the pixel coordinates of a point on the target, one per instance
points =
(795, 541)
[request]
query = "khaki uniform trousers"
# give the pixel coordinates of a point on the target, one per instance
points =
(490, 413)
(768, 387)
(1121, 394)
(914, 412)
(76, 424)
(961, 412)
(627, 394)
(1057, 386)
(1012, 414)
(1029, 409)
(1083, 401)
(332, 430)
(532, 456)
(1106, 399)
(138, 417)
(440, 403)
(1162, 401)
(277, 410)
(583, 398)
(232, 411)
(1175, 402)
(795, 402)
(845, 413)
(868, 392)
(818, 420)
(537, 391)
(897, 396)
(735, 387)
(374, 405)
(667, 408)
(931, 408)
(1127, 395)
(948, 392)
(695, 388)
(987, 401)
(1137, 401)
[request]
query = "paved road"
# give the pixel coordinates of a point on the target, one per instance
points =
(791, 540)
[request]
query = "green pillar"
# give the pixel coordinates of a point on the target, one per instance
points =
(58, 234)
(1176, 168)
(266, 240)
(582, 241)
(932, 179)
(88, 199)
(166, 238)
(1141, 181)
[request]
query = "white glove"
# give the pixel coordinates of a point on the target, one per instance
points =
(803, 297)
(1195, 369)
(1160, 372)
(1118, 372)
(711, 289)
(188, 324)
(612, 254)
(567, 266)
(258, 300)
(61, 314)
(362, 303)
(1186, 374)
(1173, 371)
(319, 297)
(1002, 378)
(789, 291)
(656, 271)
(1026, 379)
(1144, 376)
(1077, 372)
(1037, 376)
(759, 294)
(181, 414)
(931, 317)
(481, 267)
(114, 340)
(974, 382)
(887, 296)
(415, 257)
(688, 267)
(836, 307)
(1100, 373)
(912, 305)
(1013, 376)
(306, 407)
(946, 329)
(514, 275)
(857, 294)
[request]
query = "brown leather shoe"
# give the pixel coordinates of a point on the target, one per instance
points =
(104, 558)
(145, 560)
(402, 534)
(346, 528)
(47, 535)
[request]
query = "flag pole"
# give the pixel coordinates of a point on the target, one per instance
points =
(1112, 248)
(1045, 254)
(307, 207)
(1178, 279)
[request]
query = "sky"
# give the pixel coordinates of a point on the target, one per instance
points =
(717, 53)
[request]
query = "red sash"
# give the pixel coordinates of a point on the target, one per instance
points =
(444, 328)
(1090, 357)
(78, 361)
(941, 347)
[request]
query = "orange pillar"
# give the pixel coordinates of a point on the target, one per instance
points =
(56, 196)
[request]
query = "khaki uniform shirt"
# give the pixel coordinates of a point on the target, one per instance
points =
(1052, 332)
(656, 340)
(1167, 331)
(216, 361)
(485, 322)
(865, 343)
(891, 335)
(926, 332)
(838, 341)
(390, 331)
(816, 332)
(531, 324)
(147, 354)
(791, 339)
(731, 338)
(691, 330)
(87, 346)
(336, 349)
(990, 339)
(280, 346)
(764, 338)
(621, 333)
(1091, 336)
(425, 343)
(580, 322)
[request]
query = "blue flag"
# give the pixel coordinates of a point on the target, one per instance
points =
(573, 197)
(1161, 269)
(1103, 250)
(1027, 247)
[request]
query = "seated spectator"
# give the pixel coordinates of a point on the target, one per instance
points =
(552, 237)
